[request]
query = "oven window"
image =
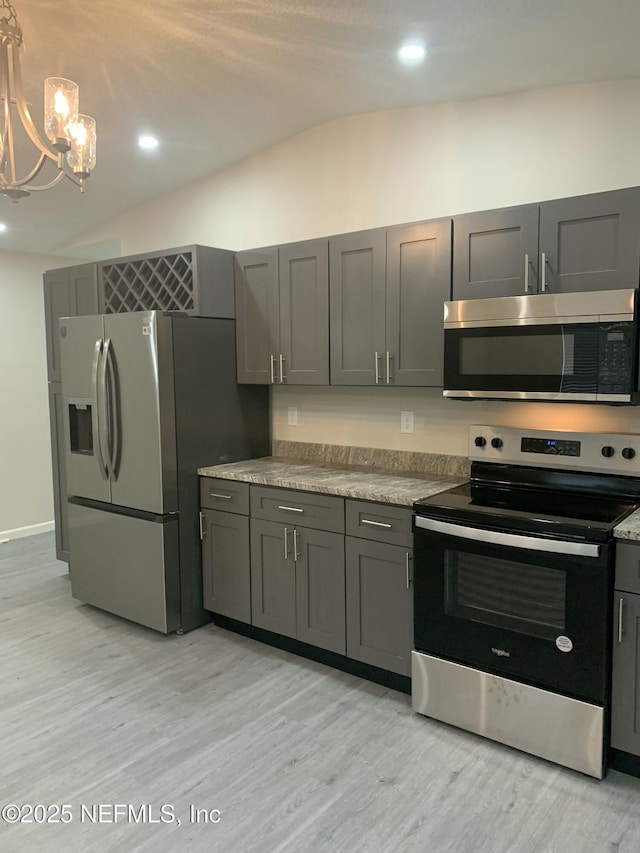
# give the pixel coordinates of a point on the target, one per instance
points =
(520, 597)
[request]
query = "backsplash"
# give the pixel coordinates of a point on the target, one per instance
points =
(372, 457)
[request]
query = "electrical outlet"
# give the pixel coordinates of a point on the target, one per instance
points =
(292, 416)
(406, 421)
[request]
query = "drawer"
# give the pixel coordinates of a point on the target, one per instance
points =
(302, 509)
(229, 495)
(382, 522)
(627, 566)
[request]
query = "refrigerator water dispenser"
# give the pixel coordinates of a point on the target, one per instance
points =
(80, 428)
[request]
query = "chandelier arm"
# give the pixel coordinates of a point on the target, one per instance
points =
(5, 144)
(52, 183)
(32, 174)
(23, 111)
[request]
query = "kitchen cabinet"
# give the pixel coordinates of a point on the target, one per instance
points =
(589, 242)
(297, 566)
(386, 304)
(379, 585)
(68, 292)
(197, 279)
(224, 531)
(625, 687)
(282, 310)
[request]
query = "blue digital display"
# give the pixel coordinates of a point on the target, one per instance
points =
(555, 446)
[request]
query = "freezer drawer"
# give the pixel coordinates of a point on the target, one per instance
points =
(126, 565)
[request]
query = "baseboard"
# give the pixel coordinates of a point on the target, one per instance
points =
(31, 530)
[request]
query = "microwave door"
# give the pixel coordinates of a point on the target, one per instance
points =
(540, 361)
(82, 360)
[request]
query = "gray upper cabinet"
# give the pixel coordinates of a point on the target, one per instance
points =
(387, 293)
(418, 283)
(257, 315)
(68, 292)
(282, 310)
(589, 242)
(495, 253)
(196, 279)
(357, 307)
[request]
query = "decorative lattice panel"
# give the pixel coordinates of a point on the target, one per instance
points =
(147, 284)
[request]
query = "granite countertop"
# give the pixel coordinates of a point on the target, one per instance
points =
(392, 487)
(629, 528)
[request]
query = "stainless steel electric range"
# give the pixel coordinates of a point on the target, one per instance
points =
(513, 590)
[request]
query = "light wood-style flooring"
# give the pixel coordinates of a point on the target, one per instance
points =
(296, 757)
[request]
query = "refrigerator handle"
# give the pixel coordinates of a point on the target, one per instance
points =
(104, 408)
(95, 415)
(111, 396)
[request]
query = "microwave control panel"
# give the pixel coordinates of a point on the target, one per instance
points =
(610, 453)
(615, 358)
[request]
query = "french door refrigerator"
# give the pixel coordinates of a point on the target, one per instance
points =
(148, 397)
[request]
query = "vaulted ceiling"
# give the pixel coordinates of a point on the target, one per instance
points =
(217, 80)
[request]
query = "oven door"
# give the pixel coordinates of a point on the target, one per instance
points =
(534, 609)
(537, 361)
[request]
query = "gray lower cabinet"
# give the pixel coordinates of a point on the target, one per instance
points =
(589, 242)
(379, 572)
(226, 582)
(282, 314)
(224, 531)
(379, 604)
(625, 688)
(388, 287)
(297, 583)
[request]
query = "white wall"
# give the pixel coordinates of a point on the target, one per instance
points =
(384, 168)
(26, 499)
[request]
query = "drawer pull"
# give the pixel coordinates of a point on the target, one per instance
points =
(220, 497)
(620, 628)
(291, 508)
(376, 523)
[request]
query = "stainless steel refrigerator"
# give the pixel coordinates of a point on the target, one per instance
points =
(148, 398)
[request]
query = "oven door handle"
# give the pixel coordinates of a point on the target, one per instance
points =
(511, 540)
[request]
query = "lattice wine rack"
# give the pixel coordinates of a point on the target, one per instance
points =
(146, 284)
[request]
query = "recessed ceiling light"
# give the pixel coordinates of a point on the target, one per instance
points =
(3, 226)
(412, 52)
(148, 142)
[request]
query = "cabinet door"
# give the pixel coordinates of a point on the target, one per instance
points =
(273, 578)
(591, 242)
(68, 292)
(226, 579)
(256, 289)
(379, 604)
(304, 313)
(320, 589)
(56, 421)
(418, 284)
(357, 307)
(625, 695)
(495, 253)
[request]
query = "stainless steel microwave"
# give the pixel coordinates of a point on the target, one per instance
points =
(580, 347)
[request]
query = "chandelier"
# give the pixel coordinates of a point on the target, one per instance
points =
(70, 137)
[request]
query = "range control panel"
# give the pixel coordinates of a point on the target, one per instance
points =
(607, 453)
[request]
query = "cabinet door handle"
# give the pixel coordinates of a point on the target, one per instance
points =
(620, 628)
(286, 543)
(272, 362)
(376, 363)
(526, 273)
(389, 377)
(220, 497)
(376, 523)
(543, 272)
(291, 508)
(282, 361)
(202, 530)
(407, 564)
(296, 553)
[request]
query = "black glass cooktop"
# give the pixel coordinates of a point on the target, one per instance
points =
(553, 510)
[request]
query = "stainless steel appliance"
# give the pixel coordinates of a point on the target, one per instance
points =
(148, 397)
(553, 346)
(513, 590)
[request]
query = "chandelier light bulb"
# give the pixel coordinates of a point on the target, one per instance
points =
(61, 100)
